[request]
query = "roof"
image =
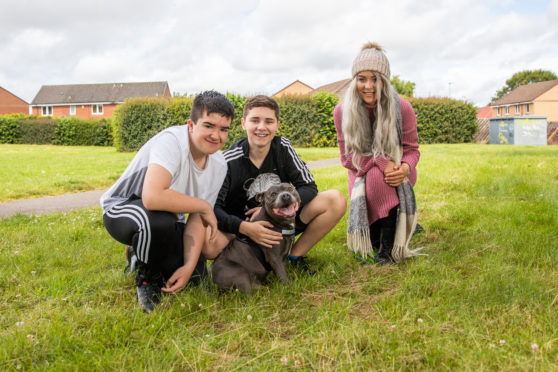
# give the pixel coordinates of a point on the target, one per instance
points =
(7, 91)
(484, 112)
(105, 93)
(338, 88)
(525, 93)
(291, 84)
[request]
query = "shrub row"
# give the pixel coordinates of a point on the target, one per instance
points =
(20, 128)
(306, 121)
(444, 120)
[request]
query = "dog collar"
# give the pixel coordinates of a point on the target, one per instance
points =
(284, 232)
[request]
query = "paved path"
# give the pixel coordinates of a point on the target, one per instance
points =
(68, 202)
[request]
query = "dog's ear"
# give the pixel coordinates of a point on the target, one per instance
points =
(260, 198)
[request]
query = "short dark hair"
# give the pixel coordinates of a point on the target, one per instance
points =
(260, 101)
(210, 102)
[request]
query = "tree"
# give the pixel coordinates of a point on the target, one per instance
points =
(405, 88)
(524, 78)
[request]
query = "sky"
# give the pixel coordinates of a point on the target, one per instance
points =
(464, 49)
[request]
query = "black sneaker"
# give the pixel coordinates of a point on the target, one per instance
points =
(300, 264)
(148, 288)
(132, 260)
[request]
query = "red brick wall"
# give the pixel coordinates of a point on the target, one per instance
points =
(82, 111)
(10, 104)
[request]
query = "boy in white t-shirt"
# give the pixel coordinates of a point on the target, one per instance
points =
(178, 171)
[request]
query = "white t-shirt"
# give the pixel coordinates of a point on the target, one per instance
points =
(171, 150)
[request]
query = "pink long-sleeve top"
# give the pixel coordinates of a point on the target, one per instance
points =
(380, 197)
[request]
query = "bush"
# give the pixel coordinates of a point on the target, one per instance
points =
(324, 104)
(139, 119)
(40, 131)
(9, 129)
(180, 108)
(298, 120)
(236, 131)
(79, 132)
(444, 120)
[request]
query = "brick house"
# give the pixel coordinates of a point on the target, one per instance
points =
(91, 100)
(12, 104)
(295, 88)
(338, 88)
(536, 99)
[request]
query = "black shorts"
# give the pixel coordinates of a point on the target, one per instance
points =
(300, 226)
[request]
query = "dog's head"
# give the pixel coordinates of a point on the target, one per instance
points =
(281, 203)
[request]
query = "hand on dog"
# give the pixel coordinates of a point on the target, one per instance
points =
(177, 281)
(251, 214)
(260, 232)
(395, 174)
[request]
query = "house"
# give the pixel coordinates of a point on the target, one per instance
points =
(12, 104)
(91, 100)
(536, 99)
(295, 88)
(484, 112)
(338, 88)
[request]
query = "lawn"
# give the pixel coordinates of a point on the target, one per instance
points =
(484, 298)
(29, 171)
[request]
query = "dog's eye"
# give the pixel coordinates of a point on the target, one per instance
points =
(273, 194)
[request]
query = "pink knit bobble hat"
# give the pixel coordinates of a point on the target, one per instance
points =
(371, 58)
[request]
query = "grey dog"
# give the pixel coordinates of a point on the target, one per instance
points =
(243, 264)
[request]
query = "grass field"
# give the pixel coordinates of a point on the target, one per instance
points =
(29, 171)
(485, 297)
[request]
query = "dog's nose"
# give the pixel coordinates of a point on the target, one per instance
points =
(285, 197)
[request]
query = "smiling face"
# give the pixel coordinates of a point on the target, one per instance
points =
(208, 134)
(260, 125)
(281, 203)
(366, 86)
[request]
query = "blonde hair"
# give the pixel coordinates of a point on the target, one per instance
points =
(364, 138)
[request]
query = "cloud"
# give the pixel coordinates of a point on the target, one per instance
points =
(260, 46)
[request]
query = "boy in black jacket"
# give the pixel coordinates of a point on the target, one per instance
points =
(263, 152)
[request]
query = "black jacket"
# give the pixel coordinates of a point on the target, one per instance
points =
(282, 159)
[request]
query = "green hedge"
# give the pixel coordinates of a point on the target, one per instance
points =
(39, 131)
(306, 121)
(77, 132)
(444, 120)
(139, 119)
(28, 129)
(324, 103)
(9, 129)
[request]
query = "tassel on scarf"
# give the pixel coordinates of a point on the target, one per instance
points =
(406, 223)
(358, 231)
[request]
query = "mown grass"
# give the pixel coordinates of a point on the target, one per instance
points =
(486, 292)
(29, 171)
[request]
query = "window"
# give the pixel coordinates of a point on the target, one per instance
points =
(497, 111)
(46, 110)
(97, 109)
(507, 110)
(527, 108)
(517, 110)
(72, 109)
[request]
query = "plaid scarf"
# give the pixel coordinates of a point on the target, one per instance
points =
(358, 231)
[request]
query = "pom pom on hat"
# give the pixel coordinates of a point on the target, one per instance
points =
(371, 58)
